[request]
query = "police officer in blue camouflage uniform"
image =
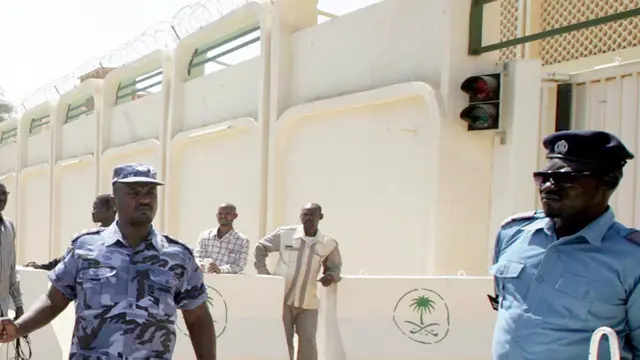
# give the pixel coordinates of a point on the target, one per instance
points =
(128, 280)
(565, 271)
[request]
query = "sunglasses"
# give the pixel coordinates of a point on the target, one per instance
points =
(559, 178)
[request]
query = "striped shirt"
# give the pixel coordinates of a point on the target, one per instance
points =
(229, 253)
(9, 280)
(299, 263)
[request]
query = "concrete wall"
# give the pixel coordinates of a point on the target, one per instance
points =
(341, 113)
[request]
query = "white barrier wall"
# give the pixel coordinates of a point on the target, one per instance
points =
(35, 137)
(338, 113)
(9, 165)
(218, 128)
(134, 131)
(404, 142)
(393, 318)
(75, 173)
(52, 341)
(225, 157)
(242, 316)
(361, 318)
(378, 127)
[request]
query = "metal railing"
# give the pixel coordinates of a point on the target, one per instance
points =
(209, 53)
(145, 84)
(76, 110)
(38, 124)
(8, 136)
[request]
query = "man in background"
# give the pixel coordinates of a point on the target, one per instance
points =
(9, 281)
(222, 250)
(303, 250)
(103, 213)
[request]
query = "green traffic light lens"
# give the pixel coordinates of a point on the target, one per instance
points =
(480, 116)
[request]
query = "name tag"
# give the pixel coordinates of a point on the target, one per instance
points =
(291, 248)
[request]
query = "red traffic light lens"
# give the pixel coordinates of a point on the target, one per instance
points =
(481, 88)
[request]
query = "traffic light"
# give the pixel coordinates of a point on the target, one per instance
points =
(483, 111)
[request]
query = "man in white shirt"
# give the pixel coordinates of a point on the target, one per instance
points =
(222, 250)
(9, 281)
(303, 251)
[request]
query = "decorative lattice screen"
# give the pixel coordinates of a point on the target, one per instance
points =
(578, 44)
(508, 27)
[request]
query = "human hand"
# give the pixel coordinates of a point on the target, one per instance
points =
(8, 330)
(19, 312)
(213, 268)
(31, 264)
(326, 280)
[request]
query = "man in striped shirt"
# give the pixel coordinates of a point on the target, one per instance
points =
(222, 250)
(9, 281)
(303, 250)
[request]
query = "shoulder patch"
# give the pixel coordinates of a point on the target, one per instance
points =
(634, 237)
(521, 216)
(177, 242)
(86, 232)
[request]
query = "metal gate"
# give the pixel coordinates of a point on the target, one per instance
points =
(608, 98)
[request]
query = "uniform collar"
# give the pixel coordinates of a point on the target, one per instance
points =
(299, 234)
(112, 234)
(594, 232)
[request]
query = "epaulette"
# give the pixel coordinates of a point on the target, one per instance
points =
(86, 232)
(634, 237)
(177, 242)
(521, 216)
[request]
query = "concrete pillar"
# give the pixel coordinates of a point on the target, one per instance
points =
(289, 17)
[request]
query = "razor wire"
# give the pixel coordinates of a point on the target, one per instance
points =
(163, 35)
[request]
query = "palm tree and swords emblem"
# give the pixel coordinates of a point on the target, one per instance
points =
(423, 316)
(217, 306)
(422, 305)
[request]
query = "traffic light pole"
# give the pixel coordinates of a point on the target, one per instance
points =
(476, 21)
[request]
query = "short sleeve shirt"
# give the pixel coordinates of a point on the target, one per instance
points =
(555, 292)
(126, 299)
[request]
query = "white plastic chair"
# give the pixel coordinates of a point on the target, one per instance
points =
(614, 346)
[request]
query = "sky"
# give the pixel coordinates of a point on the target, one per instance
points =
(40, 41)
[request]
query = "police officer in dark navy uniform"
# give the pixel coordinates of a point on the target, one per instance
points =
(566, 270)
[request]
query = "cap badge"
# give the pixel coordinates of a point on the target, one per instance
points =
(561, 147)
